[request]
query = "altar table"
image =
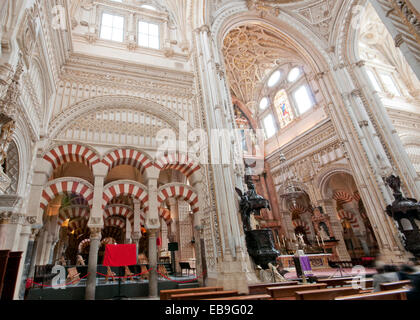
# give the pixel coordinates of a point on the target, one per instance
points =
(318, 261)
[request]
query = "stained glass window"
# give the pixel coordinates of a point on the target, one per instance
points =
(282, 105)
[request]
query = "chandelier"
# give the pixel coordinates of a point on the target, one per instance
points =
(291, 191)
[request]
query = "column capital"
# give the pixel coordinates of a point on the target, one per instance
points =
(95, 233)
(100, 170)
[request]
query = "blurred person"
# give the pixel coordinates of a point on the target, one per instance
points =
(387, 273)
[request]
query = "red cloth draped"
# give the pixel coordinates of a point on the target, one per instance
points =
(117, 255)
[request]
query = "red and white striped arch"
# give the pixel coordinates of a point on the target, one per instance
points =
(83, 244)
(297, 209)
(178, 161)
(108, 240)
(127, 188)
(115, 222)
(79, 226)
(129, 157)
(166, 215)
(71, 153)
(120, 211)
(66, 186)
(181, 191)
(73, 213)
(342, 196)
(356, 196)
(343, 214)
(299, 223)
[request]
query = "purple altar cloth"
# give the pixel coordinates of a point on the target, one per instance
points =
(306, 265)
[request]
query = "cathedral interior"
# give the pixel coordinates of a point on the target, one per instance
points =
(134, 122)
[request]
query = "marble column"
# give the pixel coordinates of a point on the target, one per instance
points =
(36, 238)
(25, 245)
(95, 241)
(153, 279)
(95, 225)
(337, 231)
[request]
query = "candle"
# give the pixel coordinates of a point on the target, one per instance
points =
(284, 244)
(294, 236)
(317, 240)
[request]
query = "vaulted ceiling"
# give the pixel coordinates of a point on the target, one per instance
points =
(251, 53)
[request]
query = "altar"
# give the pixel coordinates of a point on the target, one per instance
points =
(318, 261)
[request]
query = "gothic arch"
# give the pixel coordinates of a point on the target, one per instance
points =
(311, 50)
(325, 174)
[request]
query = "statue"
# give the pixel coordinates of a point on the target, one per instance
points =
(250, 203)
(301, 240)
(405, 211)
(323, 233)
(79, 260)
(260, 243)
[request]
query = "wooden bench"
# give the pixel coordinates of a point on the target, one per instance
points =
(325, 294)
(247, 297)
(381, 295)
(261, 288)
(368, 283)
(394, 285)
(204, 295)
(288, 292)
(336, 282)
(166, 294)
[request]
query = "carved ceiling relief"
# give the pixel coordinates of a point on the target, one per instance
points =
(319, 16)
(376, 44)
(251, 52)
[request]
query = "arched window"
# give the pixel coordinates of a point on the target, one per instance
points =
(294, 74)
(282, 106)
(269, 126)
(264, 103)
(285, 96)
(274, 79)
(303, 99)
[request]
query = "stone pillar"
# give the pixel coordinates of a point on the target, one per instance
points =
(26, 247)
(95, 241)
(363, 155)
(95, 225)
(175, 230)
(35, 237)
(337, 229)
(153, 226)
(153, 276)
